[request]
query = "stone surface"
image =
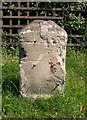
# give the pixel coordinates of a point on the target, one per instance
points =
(42, 59)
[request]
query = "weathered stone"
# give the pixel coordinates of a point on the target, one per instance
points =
(42, 59)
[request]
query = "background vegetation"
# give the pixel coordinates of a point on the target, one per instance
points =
(72, 104)
(74, 17)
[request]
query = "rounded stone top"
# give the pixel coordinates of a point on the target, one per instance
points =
(43, 29)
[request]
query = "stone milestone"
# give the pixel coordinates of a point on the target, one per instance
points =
(42, 59)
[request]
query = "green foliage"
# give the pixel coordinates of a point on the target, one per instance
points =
(74, 21)
(10, 72)
(74, 24)
(10, 44)
(58, 106)
(77, 6)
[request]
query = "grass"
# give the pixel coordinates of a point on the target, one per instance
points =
(71, 105)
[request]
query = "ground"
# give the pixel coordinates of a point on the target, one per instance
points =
(69, 105)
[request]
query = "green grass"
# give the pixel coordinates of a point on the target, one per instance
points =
(58, 106)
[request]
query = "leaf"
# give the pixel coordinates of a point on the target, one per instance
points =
(81, 108)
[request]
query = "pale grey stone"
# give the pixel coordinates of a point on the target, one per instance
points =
(42, 59)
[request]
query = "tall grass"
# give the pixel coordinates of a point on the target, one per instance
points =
(71, 105)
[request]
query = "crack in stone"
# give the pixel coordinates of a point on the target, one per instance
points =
(54, 88)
